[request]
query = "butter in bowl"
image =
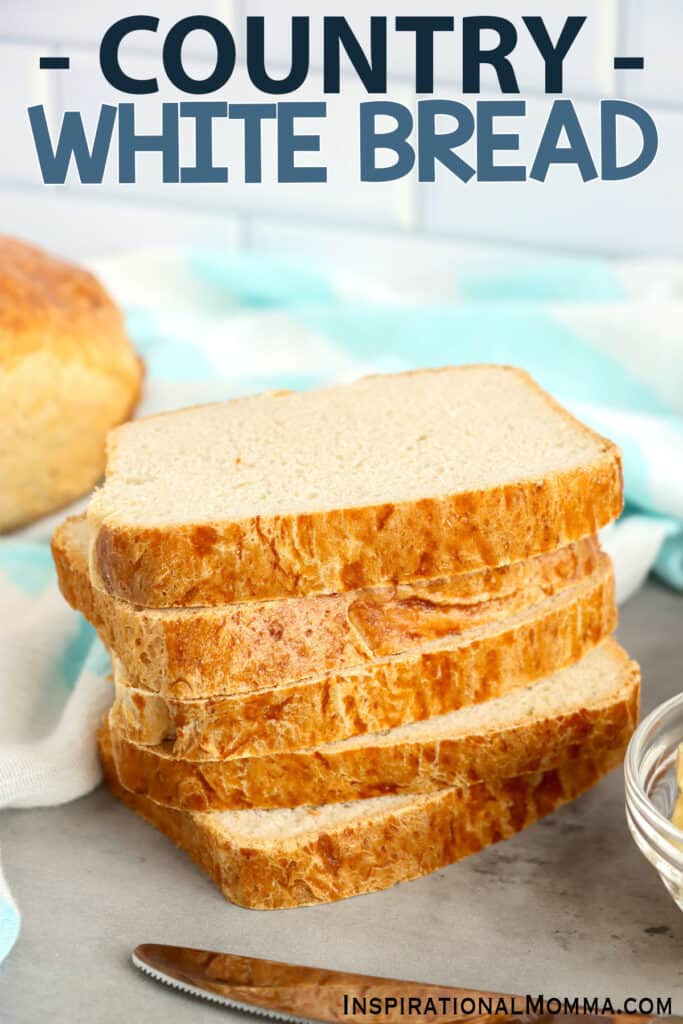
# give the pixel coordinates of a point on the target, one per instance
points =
(677, 817)
(654, 801)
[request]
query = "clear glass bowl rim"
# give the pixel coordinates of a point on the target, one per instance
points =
(638, 802)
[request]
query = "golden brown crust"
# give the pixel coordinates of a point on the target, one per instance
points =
(387, 692)
(337, 550)
(346, 549)
(192, 653)
(68, 374)
(374, 852)
(336, 773)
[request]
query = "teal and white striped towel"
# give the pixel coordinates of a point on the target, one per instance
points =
(607, 339)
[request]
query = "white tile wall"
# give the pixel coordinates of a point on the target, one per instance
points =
(634, 216)
(653, 30)
(87, 226)
(638, 216)
(86, 22)
(373, 262)
(22, 80)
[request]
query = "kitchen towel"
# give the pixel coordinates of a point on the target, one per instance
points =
(605, 338)
(54, 694)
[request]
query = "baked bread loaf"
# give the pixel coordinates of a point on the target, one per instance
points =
(356, 634)
(432, 679)
(300, 856)
(415, 476)
(591, 706)
(190, 653)
(68, 374)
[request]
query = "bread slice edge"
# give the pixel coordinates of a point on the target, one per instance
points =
(404, 839)
(340, 549)
(452, 750)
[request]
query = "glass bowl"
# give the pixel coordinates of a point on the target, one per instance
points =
(651, 792)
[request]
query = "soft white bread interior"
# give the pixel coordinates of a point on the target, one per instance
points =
(394, 478)
(396, 438)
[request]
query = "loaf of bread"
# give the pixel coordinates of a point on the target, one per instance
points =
(68, 374)
(592, 705)
(189, 653)
(358, 633)
(415, 476)
(436, 678)
(299, 856)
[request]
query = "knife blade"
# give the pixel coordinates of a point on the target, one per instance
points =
(289, 992)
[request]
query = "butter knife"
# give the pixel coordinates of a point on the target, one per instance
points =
(292, 993)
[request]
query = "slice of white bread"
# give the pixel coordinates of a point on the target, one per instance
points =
(297, 856)
(398, 478)
(432, 679)
(190, 653)
(593, 704)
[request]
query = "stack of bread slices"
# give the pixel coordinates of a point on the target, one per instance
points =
(356, 633)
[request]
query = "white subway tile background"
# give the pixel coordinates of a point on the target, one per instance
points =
(639, 217)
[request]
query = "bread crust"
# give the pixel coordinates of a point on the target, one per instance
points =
(68, 374)
(485, 663)
(370, 853)
(193, 653)
(265, 557)
(333, 773)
